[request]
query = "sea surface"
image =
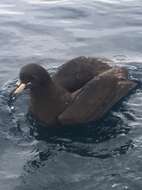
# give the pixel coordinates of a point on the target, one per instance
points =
(102, 156)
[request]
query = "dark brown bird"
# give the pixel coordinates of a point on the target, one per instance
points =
(82, 90)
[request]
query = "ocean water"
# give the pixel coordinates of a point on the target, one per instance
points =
(107, 155)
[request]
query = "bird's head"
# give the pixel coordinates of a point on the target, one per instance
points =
(32, 76)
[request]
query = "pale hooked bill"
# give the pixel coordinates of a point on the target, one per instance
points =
(20, 88)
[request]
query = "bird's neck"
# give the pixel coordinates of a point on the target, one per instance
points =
(49, 102)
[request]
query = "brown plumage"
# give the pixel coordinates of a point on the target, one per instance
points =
(82, 90)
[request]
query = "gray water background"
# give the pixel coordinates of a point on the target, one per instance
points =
(106, 156)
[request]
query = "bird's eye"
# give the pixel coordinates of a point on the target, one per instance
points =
(29, 84)
(33, 78)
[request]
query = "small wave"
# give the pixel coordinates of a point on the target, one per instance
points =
(8, 12)
(114, 1)
(45, 1)
(133, 60)
(6, 5)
